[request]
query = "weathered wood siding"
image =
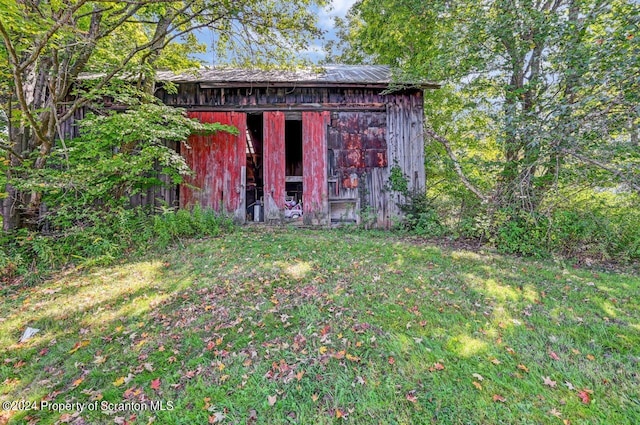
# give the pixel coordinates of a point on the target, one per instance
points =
(274, 163)
(405, 146)
(217, 161)
(314, 165)
(352, 137)
(256, 98)
(364, 146)
(357, 146)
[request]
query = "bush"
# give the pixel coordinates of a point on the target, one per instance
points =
(596, 225)
(31, 255)
(421, 217)
(522, 233)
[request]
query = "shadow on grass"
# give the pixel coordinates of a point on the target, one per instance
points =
(364, 317)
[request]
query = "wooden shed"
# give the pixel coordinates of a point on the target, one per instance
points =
(324, 138)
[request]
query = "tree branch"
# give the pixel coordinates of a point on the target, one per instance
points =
(456, 164)
(619, 174)
(17, 77)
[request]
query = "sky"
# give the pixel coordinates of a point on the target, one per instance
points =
(315, 52)
(338, 8)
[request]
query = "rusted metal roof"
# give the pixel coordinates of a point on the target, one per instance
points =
(345, 75)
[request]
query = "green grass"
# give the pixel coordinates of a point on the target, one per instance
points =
(276, 326)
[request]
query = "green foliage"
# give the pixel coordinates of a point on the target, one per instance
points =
(48, 47)
(398, 181)
(170, 226)
(595, 226)
(116, 156)
(32, 255)
(538, 100)
(421, 217)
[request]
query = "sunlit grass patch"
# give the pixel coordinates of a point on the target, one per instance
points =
(300, 326)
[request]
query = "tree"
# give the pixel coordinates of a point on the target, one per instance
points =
(48, 45)
(539, 92)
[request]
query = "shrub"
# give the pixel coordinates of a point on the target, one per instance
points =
(421, 216)
(31, 255)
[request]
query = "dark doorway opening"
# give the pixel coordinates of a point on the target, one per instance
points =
(255, 184)
(293, 159)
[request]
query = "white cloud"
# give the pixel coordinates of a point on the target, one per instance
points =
(336, 8)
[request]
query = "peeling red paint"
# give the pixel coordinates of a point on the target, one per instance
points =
(350, 182)
(217, 162)
(314, 151)
(274, 158)
(353, 141)
(376, 158)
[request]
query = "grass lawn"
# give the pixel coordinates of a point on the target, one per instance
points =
(276, 326)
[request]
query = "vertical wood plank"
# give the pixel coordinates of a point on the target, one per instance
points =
(217, 161)
(274, 163)
(314, 165)
(237, 161)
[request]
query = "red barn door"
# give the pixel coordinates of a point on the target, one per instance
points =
(274, 163)
(218, 161)
(314, 164)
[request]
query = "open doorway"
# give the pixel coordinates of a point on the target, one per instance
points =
(255, 182)
(293, 160)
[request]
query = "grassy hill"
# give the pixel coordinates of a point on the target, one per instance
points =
(299, 326)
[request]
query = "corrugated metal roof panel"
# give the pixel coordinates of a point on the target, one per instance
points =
(328, 74)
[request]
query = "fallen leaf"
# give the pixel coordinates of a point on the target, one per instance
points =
(549, 382)
(391, 360)
(99, 359)
(553, 355)
(299, 375)
(438, 366)
(498, 397)
(272, 399)
(339, 414)
(253, 417)
(477, 385)
(478, 376)
(322, 349)
(412, 397)
(569, 385)
(217, 417)
(79, 345)
(314, 397)
(584, 396)
(77, 382)
(495, 361)
(352, 358)
(523, 367)
(119, 381)
(155, 384)
(555, 412)
(590, 357)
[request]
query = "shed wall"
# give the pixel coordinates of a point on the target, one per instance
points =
(352, 137)
(218, 161)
